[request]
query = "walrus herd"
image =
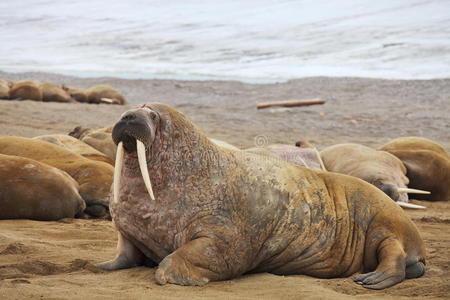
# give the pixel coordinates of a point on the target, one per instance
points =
(203, 210)
(51, 92)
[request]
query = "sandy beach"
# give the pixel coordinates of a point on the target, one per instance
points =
(54, 260)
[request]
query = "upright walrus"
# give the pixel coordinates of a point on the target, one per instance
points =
(32, 190)
(94, 177)
(427, 164)
(206, 213)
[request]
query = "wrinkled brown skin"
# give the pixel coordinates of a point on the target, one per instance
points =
(427, 164)
(75, 145)
(93, 177)
(5, 86)
(382, 169)
(54, 93)
(99, 139)
(220, 213)
(33, 190)
(305, 157)
(26, 90)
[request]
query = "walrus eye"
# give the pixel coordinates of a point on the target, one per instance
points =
(153, 116)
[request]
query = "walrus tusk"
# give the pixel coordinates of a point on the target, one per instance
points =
(410, 205)
(322, 165)
(117, 171)
(412, 191)
(143, 166)
(106, 100)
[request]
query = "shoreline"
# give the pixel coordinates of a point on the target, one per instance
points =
(361, 110)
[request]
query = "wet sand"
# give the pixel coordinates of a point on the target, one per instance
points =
(53, 260)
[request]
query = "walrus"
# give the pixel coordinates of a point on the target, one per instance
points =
(93, 177)
(97, 94)
(78, 95)
(427, 164)
(5, 86)
(302, 156)
(26, 90)
(204, 213)
(75, 145)
(380, 168)
(99, 139)
(33, 190)
(54, 93)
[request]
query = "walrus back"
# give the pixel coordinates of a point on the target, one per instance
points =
(32, 190)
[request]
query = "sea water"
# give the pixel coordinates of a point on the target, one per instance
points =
(247, 40)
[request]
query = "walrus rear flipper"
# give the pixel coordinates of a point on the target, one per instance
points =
(394, 266)
(415, 270)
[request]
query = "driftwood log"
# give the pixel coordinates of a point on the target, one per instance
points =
(290, 103)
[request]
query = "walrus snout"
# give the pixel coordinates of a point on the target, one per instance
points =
(391, 191)
(135, 124)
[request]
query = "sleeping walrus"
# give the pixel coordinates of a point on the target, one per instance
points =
(93, 177)
(97, 94)
(5, 86)
(427, 164)
(75, 145)
(380, 168)
(32, 190)
(26, 90)
(206, 213)
(54, 93)
(99, 139)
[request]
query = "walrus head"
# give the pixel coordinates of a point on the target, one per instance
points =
(134, 133)
(399, 194)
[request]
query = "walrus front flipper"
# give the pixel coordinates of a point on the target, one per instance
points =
(195, 263)
(391, 267)
(128, 256)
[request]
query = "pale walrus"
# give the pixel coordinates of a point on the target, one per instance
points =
(93, 177)
(380, 168)
(205, 213)
(26, 90)
(54, 93)
(5, 86)
(32, 190)
(75, 145)
(302, 156)
(427, 164)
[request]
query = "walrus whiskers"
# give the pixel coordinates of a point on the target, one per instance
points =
(412, 191)
(118, 171)
(143, 166)
(410, 205)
